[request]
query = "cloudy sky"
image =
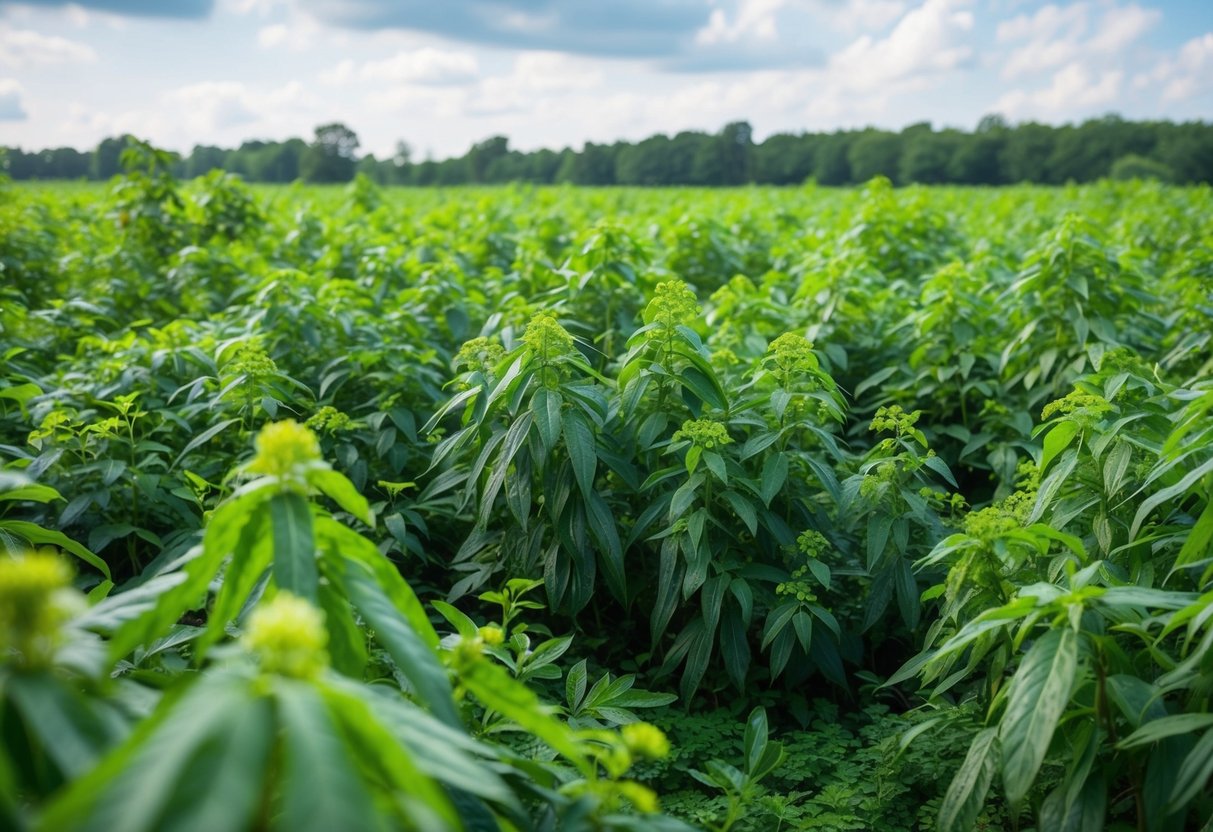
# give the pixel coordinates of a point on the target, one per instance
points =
(442, 74)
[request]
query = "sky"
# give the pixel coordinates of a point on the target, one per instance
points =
(444, 74)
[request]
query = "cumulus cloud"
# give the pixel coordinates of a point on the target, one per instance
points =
(1185, 75)
(140, 8)
(10, 101)
(1073, 89)
(1056, 36)
(928, 40)
(20, 48)
(423, 66)
(212, 106)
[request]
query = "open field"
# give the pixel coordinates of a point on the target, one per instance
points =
(895, 502)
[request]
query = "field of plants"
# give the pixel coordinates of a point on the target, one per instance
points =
(572, 509)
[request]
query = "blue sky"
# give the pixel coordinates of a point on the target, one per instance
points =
(442, 74)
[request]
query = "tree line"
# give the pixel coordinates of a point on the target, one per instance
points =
(995, 153)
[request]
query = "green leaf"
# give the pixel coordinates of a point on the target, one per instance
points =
(337, 487)
(574, 685)
(1039, 693)
(294, 567)
(1056, 441)
(1196, 546)
(496, 689)
(1167, 726)
(38, 536)
(202, 439)
(967, 792)
(579, 440)
(1194, 773)
(70, 732)
(387, 761)
(603, 527)
(774, 475)
(320, 788)
(408, 650)
(546, 405)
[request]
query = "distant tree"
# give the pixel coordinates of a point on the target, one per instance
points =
(483, 155)
(1026, 153)
(594, 165)
(784, 159)
(104, 162)
(875, 153)
(543, 166)
(1133, 166)
(926, 156)
(831, 161)
(331, 155)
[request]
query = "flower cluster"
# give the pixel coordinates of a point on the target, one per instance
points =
(492, 635)
(329, 420)
(1085, 408)
(480, 355)
(253, 363)
(645, 740)
(546, 337)
(793, 357)
(35, 601)
(673, 304)
(285, 450)
(703, 433)
(1007, 515)
(811, 544)
(288, 637)
(895, 420)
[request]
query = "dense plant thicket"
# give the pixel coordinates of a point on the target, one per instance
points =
(996, 153)
(429, 499)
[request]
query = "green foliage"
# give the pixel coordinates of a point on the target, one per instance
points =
(441, 499)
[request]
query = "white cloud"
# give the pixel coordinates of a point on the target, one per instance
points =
(21, 48)
(1057, 36)
(422, 66)
(299, 34)
(754, 19)
(11, 108)
(928, 40)
(221, 105)
(1186, 75)
(1073, 89)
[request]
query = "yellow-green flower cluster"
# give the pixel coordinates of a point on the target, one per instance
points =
(703, 433)
(288, 637)
(1007, 515)
(727, 297)
(798, 588)
(792, 356)
(673, 304)
(480, 355)
(812, 543)
(894, 420)
(491, 635)
(330, 420)
(547, 338)
(873, 485)
(253, 363)
(1083, 407)
(35, 601)
(645, 740)
(285, 450)
(942, 499)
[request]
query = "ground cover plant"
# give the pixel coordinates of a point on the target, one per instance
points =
(548, 508)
